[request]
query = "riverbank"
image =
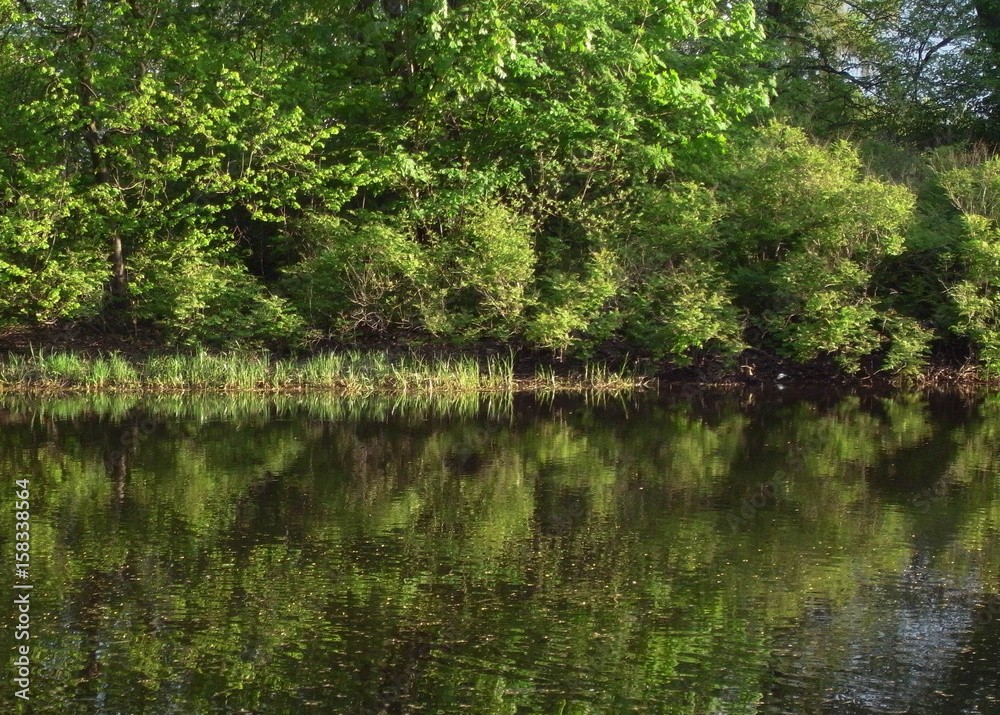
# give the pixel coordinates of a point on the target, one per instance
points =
(363, 372)
(347, 372)
(62, 360)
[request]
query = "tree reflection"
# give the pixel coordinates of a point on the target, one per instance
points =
(295, 556)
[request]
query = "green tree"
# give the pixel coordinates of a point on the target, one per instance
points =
(917, 70)
(160, 132)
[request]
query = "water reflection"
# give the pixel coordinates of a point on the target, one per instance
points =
(706, 553)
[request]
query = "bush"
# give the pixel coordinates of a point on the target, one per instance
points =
(909, 344)
(804, 229)
(976, 298)
(197, 299)
(480, 271)
(358, 280)
(676, 299)
(47, 271)
(468, 279)
(971, 182)
(573, 311)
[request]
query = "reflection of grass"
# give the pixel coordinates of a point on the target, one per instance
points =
(346, 373)
(415, 407)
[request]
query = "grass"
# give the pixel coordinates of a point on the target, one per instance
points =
(349, 372)
(414, 408)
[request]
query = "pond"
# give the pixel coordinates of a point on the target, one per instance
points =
(697, 552)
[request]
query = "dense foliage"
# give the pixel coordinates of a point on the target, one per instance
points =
(678, 179)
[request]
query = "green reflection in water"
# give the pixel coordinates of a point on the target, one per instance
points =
(746, 553)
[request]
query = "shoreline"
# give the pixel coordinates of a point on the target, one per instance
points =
(348, 372)
(55, 370)
(79, 359)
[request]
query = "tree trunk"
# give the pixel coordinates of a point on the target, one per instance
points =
(118, 280)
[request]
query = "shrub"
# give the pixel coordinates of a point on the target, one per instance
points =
(358, 280)
(909, 344)
(46, 269)
(481, 267)
(676, 299)
(976, 297)
(468, 279)
(198, 299)
(804, 229)
(971, 181)
(573, 311)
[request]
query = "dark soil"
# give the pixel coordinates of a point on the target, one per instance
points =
(84, 339)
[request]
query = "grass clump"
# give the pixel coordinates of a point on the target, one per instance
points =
(349, 372)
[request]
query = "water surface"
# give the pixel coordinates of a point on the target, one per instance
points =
(760, 552)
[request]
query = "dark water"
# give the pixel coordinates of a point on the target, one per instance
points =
(698, 553)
